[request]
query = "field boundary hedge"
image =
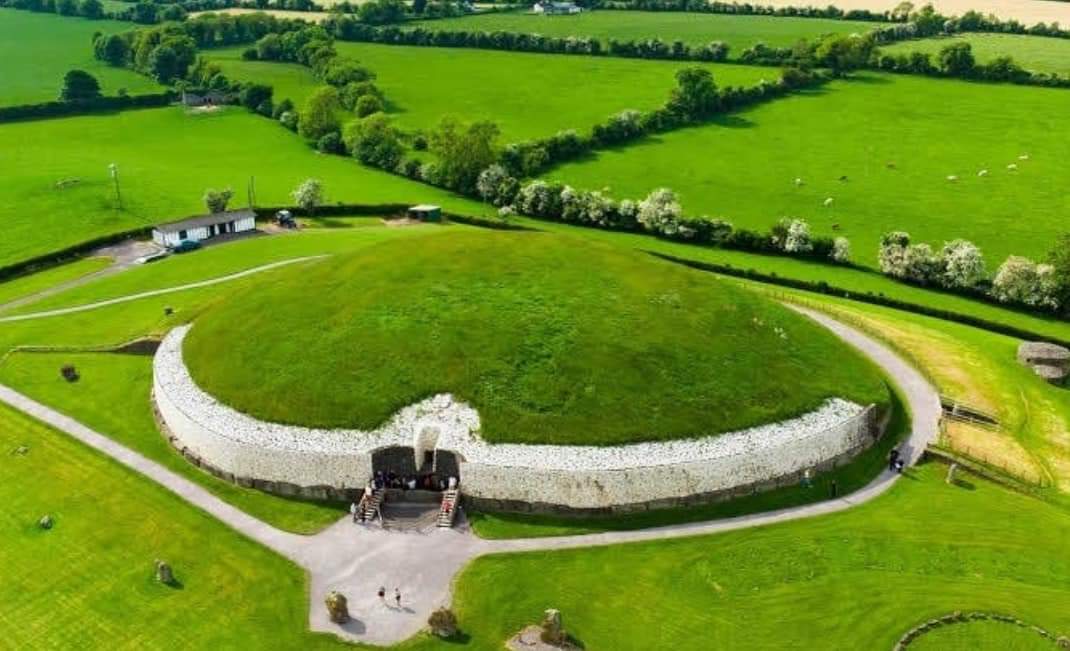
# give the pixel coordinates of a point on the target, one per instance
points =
(45, 110)
(45, 261)
(822, 287)
(377, 210)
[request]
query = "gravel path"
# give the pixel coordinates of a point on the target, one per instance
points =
(357, 560)
(158, 292)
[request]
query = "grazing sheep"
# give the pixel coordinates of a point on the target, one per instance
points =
(983, 173)
(843, 178)
(1012, 167)
(828, 202)
(798, 182)
(835, 227)
(1024, 157)
(952, 178)
(890, 165)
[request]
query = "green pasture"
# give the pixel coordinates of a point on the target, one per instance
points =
(166, 159)
(738, 32)
(26, 286)
(1034, 53)
(551, 339)
(526, 95)
(37, 49)
(894, 140)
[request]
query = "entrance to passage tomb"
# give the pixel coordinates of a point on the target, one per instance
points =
(429, 467)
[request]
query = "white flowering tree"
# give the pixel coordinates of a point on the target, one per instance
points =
(1020, 280)
(892, 253)
(964, 266)
(308, 195)
(490, 182)
(660, 212)
(217, 200)
(538, 198)
(921, 264)
(841, 250)
(797, 239)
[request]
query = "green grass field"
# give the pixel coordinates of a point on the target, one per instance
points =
(552, 339)
(36, 50)
(1035, 53)
(166, 158)
(983, 635)
(26, 286)
(739, 32)
(527, 95)
(743, 167)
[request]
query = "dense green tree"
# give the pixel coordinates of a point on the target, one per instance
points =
(957, 59)
(844, 53)
(1059, 259)
(79, 86)
(253, 95)
(92, 9)
(463, 152)
(367, 105)
(320, 113)
(66, 7)
(695, 95)
(374, 141)
(381, 12)
(113, 49)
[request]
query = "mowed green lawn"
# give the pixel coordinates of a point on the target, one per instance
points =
(855, 580)
(36, 50)
(88, 582)
(739, 32)
(896, 139)
(552, 339)
(527, 95)
(1035, 53)
(166, 158)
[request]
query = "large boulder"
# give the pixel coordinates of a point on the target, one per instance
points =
(164, 573)
(1049, 361)
(337, 607)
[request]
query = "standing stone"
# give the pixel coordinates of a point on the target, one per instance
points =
(337, 607)
(552, 630)
(164, 573)
(1049, 361)
(951, 473)
(45, 522)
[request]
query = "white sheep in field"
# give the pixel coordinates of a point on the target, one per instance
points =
(828, 202)
(1013, 167)
(983, 173)
(1024, 157)
(798, 182)
(952, 178)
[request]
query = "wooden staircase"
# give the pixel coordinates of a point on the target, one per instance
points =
(447, 512)
(373, 506)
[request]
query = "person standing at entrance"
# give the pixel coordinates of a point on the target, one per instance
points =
(353, 510)
(397, 596)
(382, 594)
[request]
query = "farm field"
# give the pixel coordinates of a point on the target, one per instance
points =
(36, 50)
(893, 139)
(539, 372)
(164, 172)
(26, 286)
(1027, 12)
(738, 32)
(310, 16)
(1034, 53)
(422, 84)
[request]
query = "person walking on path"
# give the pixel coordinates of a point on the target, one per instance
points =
(833, 489)
(353, 510)
(382, 594)
(397, 596)
(893, 458)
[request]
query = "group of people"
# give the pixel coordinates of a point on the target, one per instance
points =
(896, 463)
(429, 482)
(397, 595)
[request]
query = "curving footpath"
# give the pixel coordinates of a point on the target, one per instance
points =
(159, 292)
(357, 560)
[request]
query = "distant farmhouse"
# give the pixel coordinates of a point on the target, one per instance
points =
(556, 8)
(206, 98)
(198, 229)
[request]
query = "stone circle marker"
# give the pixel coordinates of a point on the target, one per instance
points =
(45, 522)
(337, 607)
(164, 573)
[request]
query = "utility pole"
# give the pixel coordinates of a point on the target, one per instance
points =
(251, 191)
(114, 169)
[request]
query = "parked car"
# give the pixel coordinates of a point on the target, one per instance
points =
(185, 246)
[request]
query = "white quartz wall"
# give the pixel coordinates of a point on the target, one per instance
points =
(576, 476)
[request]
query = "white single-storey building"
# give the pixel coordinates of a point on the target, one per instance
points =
(548, 8)
(205, 227)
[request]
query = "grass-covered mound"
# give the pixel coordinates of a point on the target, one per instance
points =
(552, 339)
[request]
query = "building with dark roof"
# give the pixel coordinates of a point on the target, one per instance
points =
(204, 227)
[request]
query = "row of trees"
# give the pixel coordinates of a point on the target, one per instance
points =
(165, 52)
(957, 60)
(91, 9)
(960, 266)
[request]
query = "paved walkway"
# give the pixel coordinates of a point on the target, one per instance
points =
(158, 292)
(357, 561)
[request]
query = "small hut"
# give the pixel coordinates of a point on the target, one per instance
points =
(426, 213)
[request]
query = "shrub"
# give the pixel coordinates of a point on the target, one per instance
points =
(963, 265)
(374, 141)
(282, 107)
(841, 250)
(1020, 280)
(443, 623)
(367, 105)
(290, 120)
(330, 143)
(320, 113)
(892, 253)
(660, 212)
(217, 200)
(79, 86)
(309, 195)
(253, 95)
